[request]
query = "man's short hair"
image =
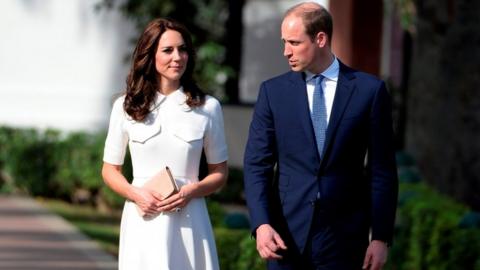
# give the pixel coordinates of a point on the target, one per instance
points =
(315, 18)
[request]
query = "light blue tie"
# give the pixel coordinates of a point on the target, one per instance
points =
(319, 114)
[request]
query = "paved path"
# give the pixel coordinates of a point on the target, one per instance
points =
(31, 237)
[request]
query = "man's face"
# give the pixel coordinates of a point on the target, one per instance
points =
(299, 49)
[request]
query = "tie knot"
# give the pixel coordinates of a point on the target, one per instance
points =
(318, 78)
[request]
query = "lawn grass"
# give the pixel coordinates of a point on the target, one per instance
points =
(103, 228)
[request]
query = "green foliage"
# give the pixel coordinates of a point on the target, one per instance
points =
(48, 164)
(107, 197)
(428, 235)
(210, 73)
(52, 165)
(236, 250)
(28, 156)
(232, 192)
(216, 213)
(227, 246)
(249, 258)
(407, 13)
(79, 161)
(6, 188)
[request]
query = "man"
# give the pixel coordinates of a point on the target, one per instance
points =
(320, 173)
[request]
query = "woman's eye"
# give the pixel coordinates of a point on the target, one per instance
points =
(167, 50)
(183, 49)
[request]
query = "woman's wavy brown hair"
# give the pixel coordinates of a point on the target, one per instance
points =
(142, 80)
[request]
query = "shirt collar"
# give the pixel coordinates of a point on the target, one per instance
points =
(330, 73)
(178, 97)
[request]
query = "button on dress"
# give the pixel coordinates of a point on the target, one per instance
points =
(172, 135)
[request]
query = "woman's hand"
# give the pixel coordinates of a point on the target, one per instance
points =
(148, 201)
(179, 200)
(216, 178)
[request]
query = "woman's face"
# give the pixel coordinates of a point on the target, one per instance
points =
(171, 58)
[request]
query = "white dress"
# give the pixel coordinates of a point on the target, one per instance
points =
(172, 135)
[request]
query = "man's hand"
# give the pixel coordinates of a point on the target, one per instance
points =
(269, 242)
(376, 255)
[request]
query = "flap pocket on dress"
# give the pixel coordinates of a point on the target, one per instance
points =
(189, 133)
(140, 133)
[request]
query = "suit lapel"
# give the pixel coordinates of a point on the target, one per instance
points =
(345, 88)
(300, 100)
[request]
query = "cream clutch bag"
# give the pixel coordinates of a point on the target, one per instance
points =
(163, 183)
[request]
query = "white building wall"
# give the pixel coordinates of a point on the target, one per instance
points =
(60, 63)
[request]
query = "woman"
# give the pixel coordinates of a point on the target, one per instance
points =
(166, 121)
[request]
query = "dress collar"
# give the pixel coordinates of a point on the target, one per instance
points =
(178, 97)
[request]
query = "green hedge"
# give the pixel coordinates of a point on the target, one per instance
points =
(55, 165)
(232, 192)
(236, 250)
(68, 166)
(428, 233)
(28, 156)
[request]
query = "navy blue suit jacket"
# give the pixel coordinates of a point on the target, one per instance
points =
(356, 177)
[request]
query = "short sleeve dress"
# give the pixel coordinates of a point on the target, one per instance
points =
(172, 135)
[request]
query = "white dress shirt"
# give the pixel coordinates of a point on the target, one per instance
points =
(329, 85)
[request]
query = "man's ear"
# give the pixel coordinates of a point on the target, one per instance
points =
(321, 39)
